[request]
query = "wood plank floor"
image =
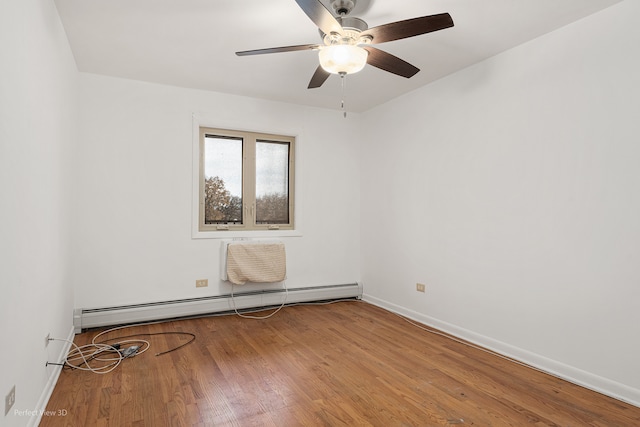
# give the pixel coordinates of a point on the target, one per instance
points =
(343, 364)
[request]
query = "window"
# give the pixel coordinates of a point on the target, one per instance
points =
(246, 181)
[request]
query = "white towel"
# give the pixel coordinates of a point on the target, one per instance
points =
(256, 262)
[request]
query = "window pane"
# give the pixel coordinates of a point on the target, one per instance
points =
(272, 182)
(222, 180)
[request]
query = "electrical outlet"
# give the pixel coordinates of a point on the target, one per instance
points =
(202, 283)
(46, 340)
(9, 400)
(420, 287)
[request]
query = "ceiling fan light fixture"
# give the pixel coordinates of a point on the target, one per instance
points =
(343, 59)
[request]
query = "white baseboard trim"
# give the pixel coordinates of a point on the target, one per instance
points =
(53, 372)
(568, 373)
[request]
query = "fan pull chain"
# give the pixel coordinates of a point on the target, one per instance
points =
(342, 80)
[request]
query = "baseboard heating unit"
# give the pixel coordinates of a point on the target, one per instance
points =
(135, 313)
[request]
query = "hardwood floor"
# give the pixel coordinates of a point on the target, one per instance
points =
(343, 364)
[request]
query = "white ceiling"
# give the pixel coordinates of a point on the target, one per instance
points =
(192, 43)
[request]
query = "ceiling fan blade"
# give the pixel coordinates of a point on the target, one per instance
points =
(318, 78)
(320, 16)
(278, 49)
(409, 28)
(388, 62)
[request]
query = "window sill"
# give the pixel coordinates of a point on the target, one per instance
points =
(245, 234)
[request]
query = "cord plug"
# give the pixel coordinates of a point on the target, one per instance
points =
(130, 351)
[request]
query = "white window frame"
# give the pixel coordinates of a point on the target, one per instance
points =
(212, 232)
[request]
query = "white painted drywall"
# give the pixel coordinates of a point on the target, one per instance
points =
(512, 190)
(132, 204)
(37, 121)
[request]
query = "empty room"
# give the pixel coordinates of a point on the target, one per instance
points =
(319, 212)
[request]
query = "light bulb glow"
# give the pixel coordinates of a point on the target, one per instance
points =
(346, 58)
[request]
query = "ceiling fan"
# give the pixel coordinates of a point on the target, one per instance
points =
(347, 40)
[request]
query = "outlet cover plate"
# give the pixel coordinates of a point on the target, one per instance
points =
(420, 287)
(202, 283)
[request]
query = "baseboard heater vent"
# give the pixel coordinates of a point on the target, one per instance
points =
(135, 313)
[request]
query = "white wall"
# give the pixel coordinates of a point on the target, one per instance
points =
(512, 190)
(37, 120)
(133, 196)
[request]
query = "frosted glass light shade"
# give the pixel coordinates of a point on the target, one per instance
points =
(344, 58)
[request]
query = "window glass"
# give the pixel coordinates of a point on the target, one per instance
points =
(272, 182)
(222, 180)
